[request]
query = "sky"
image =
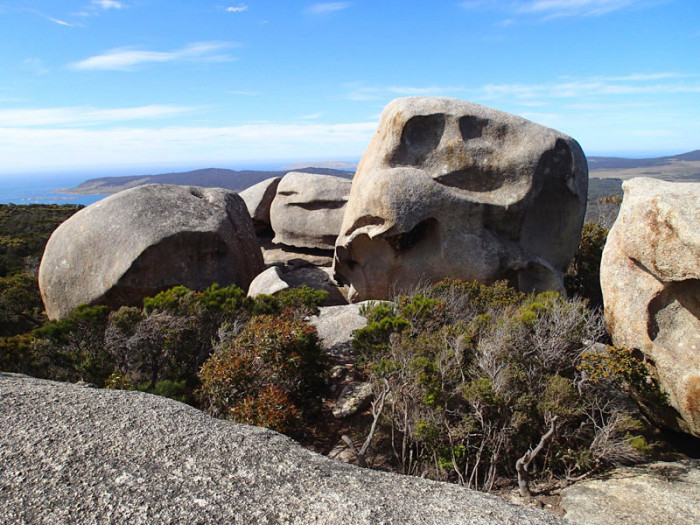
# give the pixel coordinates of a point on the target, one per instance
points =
(134, 86)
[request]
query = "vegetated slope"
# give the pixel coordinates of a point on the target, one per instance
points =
(209, 177)
(604, 163)
(677, 168)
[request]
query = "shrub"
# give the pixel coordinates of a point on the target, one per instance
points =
(479, 375)
(583, 276)
(270, 351)
(73, 348)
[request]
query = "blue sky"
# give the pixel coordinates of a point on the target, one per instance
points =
(135, 85)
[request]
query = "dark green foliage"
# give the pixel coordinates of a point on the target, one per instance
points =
(583, 275)
(74, 348)
(21, 309)
(24, 231)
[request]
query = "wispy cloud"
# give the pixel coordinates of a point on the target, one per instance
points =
(237, 9)
(34, 66)
(552, 9)
(81, 116)
(328, 7)
(59, 22)
(127, 58)
(108, 4)
(561, 8)
(659, 83)
(312, 116)
(244, 93)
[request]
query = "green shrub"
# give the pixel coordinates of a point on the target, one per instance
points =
(478, 374)
(583, 276)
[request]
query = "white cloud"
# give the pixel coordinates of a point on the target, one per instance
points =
(328, 7)
(59, 22)
(126, 58)
(559, 8)
(108, 4)
(77, 116)
(26, 149)
(311, 116)
(238, 9)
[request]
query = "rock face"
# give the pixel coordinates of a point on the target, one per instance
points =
(308, 210)
(650, 278)
(652, 494)
(144, 240)
(258, 199)
(448, 188)
(335, 326)
(276, 279)
(72, 454)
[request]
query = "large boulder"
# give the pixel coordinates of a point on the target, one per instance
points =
(308, 210)
(447, 188)
(72, 454)
(258, 199)
(650, 278)
(141, 241)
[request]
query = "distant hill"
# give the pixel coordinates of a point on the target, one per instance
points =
(607, 163)
(677, 168)
(209, 177)
(335, 165)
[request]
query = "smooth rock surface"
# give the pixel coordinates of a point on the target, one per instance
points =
(650, 278)
(308, 209)
(447, 188)
(335, 326)
(653, 494)
(141, 241)
(278, 278)
(71, 454)
(258, 199)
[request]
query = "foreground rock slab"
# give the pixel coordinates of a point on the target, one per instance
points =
(447, 188)
(72, 454)
(650, 278)
(141, 241)
(661, 492)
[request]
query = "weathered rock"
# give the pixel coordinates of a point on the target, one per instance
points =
(268, 282)
(354, 398)
(650, 278)
(276, 254)
(71, 454)
(144, 240)
(448, 188)
(308, 209)
(650, 494)
(335, 326)
(278, 278)
(258, 199)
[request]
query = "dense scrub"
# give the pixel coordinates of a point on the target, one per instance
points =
(181, 343)
(472, 378)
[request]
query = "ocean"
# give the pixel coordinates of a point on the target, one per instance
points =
(42, 190)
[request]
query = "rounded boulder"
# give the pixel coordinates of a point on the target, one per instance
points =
(147, 239)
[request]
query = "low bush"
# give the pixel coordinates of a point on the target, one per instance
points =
(280, 352)
(479, 376)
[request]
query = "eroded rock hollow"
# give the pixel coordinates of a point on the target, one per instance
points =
(448, 188)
